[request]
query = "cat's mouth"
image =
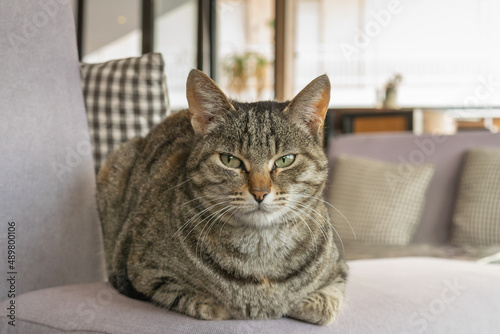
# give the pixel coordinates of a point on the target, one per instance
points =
(259, 209)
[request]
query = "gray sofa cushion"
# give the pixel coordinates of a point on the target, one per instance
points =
(447, 153)
(477, 212)
(46, 175)
(377, 206)
(406, 295)
(480, 254)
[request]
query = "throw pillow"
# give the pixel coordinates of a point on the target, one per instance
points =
(476, 219)
(124, 99)
(381, 201)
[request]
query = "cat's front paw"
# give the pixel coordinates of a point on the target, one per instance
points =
(204, 309)
(212, 312)
(321, 307)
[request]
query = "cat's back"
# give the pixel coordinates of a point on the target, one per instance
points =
(159, 154)
(136, 166)
(170, 135)
(166, 150)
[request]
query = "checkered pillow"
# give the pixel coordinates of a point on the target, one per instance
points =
(382, 202)
(476, 220)
(124, 98)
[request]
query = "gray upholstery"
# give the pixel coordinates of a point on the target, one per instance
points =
(46, 173)
(406, 295)
(446, 152)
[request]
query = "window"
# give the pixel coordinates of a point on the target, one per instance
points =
(444, 50)
(246, 48)
(112, 29)
(175, 39)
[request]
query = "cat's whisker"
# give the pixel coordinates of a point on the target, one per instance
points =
(323, 232)
(217, 219)
(196, 216)
(214, 218)
(235, 211)
(316, 212)
(210, 200)
(189, 221)
(178, 185)
(326, 221)
(194, 199)
(198, 223)
(293, 210)
(202, 212)
(331, 205)
(284, 213)
(195, 208)
(210, 215)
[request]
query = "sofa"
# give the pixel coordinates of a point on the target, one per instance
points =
(51, 254)
(447, 154)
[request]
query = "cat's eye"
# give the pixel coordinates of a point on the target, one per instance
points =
(285, 161)
(230, 160)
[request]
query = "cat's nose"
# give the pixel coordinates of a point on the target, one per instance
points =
(259, 194)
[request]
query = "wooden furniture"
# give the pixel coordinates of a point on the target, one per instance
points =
(481, 124)
(363, 120)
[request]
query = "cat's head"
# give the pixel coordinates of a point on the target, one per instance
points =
(257, 163)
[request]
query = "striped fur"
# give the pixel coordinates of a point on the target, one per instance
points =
(183, 231)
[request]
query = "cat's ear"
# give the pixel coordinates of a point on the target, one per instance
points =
(308, 109)
(206, 101)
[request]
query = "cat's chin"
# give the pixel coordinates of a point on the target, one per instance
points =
(259, 218)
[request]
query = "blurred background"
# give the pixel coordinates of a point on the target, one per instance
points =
(395, 65)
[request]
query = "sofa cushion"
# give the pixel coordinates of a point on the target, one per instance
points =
(445, 152)
(124, 98)
(406, 295)
(479, 254)
(375, 202)
(477, 212)
(47, 178)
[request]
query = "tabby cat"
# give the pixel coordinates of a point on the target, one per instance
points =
(217, 212)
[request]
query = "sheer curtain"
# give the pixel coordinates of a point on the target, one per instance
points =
(447, 51)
